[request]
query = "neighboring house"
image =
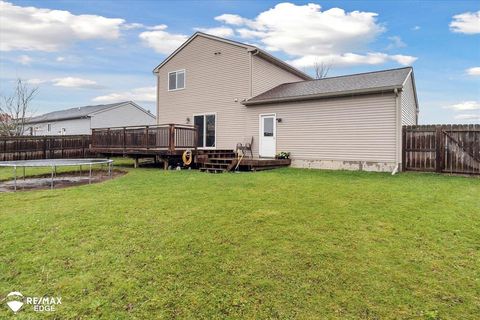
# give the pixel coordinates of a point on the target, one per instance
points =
(81, 120)
(234, 91)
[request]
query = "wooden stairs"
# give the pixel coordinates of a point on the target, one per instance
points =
(216, 161)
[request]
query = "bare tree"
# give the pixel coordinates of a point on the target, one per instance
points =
(321, 69)
(16, 108)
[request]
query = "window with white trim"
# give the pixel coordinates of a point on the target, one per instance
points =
(49, 127)
(176, 80)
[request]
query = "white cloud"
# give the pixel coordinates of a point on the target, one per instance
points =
(132, 26)
(35, 81)
(161, 40)
(233, 19)
(305, 31)
(475, 71)
(72, 82)
(60, 59)
(466, 105)
(416, 28)
(468, 117)
(219, 32)
(468, 22)
(145, 94)
(24, 59)
(31, 28)
(395, 42)
(351, 59)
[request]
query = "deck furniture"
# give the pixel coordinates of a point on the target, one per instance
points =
(246, 147)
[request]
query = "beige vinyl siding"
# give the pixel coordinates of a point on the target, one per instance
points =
(359, 128)
(266, 76)
(212, 84)
(216, 83)
(409, 106)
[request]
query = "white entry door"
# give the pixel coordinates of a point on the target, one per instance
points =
(268, 135)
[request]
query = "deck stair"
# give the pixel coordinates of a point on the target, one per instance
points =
(216, 161)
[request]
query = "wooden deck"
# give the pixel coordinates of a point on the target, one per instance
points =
(156, 140)
(218, 161)
(167, 143)
(257, 164)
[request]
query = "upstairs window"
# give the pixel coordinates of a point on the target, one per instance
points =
(176, 80)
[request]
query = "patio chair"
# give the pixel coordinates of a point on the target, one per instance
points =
(246, 147)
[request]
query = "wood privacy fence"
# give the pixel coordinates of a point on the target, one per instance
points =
(442, 148)
(45, 147)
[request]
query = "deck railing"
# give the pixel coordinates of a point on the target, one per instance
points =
(167, 137)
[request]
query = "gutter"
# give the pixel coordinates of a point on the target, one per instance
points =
(323, 95)
(54, 120)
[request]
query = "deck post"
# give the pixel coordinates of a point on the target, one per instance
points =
(195, 136)
(171, 142)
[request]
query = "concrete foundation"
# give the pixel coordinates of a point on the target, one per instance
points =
(344, 165)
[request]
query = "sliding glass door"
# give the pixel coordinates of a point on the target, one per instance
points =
(206, 126)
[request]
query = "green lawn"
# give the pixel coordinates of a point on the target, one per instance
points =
(280, 244)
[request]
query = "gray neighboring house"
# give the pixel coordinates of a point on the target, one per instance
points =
(82, 119)
(234, 91)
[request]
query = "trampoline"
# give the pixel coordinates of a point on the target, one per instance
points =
(54, 164)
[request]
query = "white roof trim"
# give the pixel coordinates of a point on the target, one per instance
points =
(121, 105)
(410, 75)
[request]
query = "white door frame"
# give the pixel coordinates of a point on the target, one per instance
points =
(205, 129)
(260, 132)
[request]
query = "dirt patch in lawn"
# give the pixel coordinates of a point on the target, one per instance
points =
(60, 180)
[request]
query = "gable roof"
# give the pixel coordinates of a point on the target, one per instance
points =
(81, 112)
(259, 52)
(369, 82)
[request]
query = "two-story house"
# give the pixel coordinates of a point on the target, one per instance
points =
(234, 91)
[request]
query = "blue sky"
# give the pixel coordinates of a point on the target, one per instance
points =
(91, 52)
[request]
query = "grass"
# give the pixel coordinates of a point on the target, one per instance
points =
(283, 244)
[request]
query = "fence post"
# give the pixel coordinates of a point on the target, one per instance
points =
(404, 145)
(146, 137)
(83, 146)
(45, 148)
(439, 149)
(124, 138)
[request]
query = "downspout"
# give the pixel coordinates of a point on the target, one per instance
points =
(251, 74)
(157, 104)
(397, 131)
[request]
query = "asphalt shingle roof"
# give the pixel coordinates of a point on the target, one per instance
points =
(73, 113)
(362, 82)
